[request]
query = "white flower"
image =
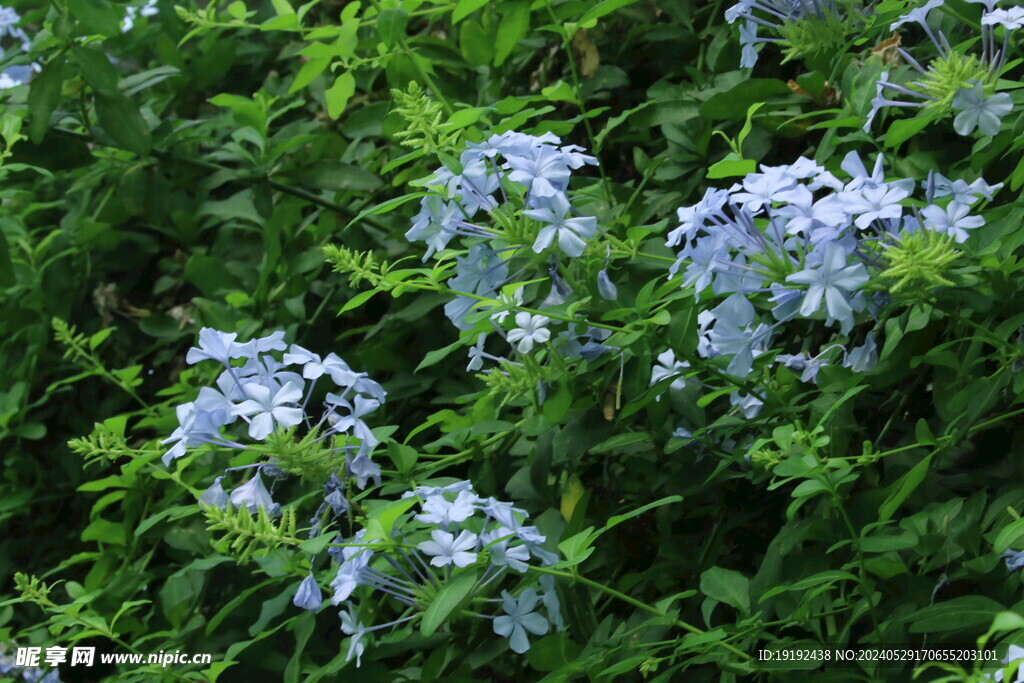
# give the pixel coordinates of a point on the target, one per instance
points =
(530, 330)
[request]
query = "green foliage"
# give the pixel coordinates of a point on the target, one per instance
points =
(255, 166)
(246, 534)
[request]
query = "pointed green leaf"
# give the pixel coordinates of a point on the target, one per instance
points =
(448, 599)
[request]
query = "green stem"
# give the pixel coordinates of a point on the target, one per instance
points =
(639, 605)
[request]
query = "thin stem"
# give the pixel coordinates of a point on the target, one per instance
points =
(639, 605)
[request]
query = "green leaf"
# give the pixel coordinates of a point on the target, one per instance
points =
(620, 441)
(337, 95)
(382, 518)
(101, 336)
(904, 129)
(556, 407)
(728, 586)
(96, 69)
(734, 104)
(357, 301)
(476, 45)
(604, 8)
(104, 531)
(466, 7)
(889, 542)
(1008, 535)
(391, 25)
(403, 456)
(246, 112)
(447, 601)
(170, 514)
(907, 484)
(122, 122)
(577, 548)
(6, 265)
(146, 79)
(437, 355)
(309, 71)
(618, 519)
(43, 97)
(315, 546)
(97, 15)
(337, 176)
(515, 23)
(953, 615)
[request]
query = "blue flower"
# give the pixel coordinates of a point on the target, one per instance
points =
(196, 427)
(439, 510)
(530, 330)
(978, 111)
(254, 495)
(502, 512)
(918, 15)
(808, 367)
(445, 549)
(875, 203)
(501, 554)
(606, 287)
(1014, 560)
(552, 605)
(354, 628)
(1011, 19)
(732, 334)
(354, 562)
(272, 342)
(668, 366)
(309, 596)
(270, 409)
(215, 495)
(435, 224)
(832, 282)
(571, 233)
(748, 404)
(364, 469)
(864, 357)
(543, 171)
(214, 345)
(521, 618)
(953, 220)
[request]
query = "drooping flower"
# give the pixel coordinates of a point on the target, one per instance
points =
(308, 596)
(254, 495)
(354, 628)
(215, 495)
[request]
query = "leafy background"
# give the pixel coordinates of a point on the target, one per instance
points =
(190, 171)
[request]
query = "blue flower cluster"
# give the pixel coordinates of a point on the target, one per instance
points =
(778, 15)
(132, 12)
(463, 535)
(33, 674)
(520, 182)
(953, 80)
(802, 241)
(14, 75)
(263, 393)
